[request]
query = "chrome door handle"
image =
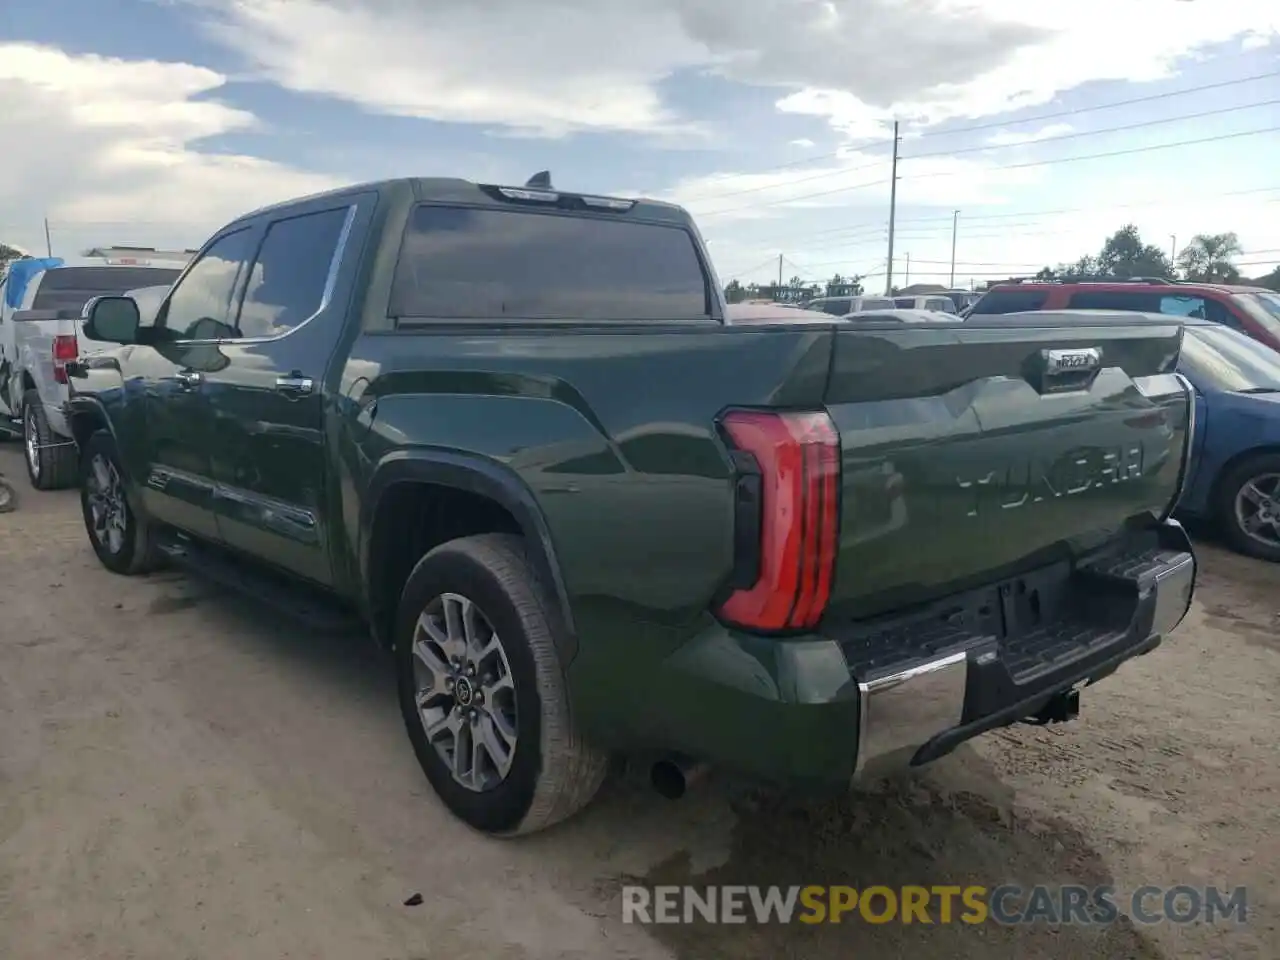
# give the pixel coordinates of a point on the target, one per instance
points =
(189, 378)
(295, 385)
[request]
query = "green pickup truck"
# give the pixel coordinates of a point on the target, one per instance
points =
(515, 432)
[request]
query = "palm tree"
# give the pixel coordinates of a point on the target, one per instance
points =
(1207, 258)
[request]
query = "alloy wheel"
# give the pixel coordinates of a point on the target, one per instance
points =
(464, 691)
(1257, 509)
(105, 495)
(31, 438)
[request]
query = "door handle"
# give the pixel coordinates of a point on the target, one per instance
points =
(295, 384)
(189, 378)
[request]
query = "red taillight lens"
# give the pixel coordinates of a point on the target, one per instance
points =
(799, 459)
(65, 348)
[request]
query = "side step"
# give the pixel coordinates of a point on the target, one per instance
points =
(305, 605)
(10, 427)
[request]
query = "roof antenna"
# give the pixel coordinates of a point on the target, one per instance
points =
(540, 181)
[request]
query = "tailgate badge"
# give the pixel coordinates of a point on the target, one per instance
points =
(1083, 360)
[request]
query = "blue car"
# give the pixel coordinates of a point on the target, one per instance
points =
(1234, 479)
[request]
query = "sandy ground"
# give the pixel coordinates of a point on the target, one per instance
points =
(181, 776)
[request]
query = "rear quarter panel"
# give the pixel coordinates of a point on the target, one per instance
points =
(612, 431)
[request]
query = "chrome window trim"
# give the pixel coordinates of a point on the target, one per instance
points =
(330, 282)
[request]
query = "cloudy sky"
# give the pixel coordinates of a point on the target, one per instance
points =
(1047, 125)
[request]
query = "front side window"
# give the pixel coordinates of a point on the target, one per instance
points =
(287, 282)
(199, 306)
(471, 263)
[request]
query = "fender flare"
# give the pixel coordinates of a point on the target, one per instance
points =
(79, 406)
(477, 475)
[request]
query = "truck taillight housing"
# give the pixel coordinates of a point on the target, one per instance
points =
(787, 504)
(65, 349)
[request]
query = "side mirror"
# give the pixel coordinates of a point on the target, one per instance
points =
(111, 319)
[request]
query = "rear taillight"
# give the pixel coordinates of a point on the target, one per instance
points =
(65, 348)
(796, 473)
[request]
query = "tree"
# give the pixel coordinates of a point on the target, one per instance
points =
(1207, 258)
(8, 253)
(1271, 281)
(734, 292)
(1125, 255)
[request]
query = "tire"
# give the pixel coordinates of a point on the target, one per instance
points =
(1263, 471)
(134, 551)
(49, 466)
(553, 772)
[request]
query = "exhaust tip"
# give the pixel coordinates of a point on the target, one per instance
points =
(668, 779)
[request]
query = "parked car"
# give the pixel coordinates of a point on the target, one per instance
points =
(840, 306)
(1234, 479)
(938, 304)
(823, 551)
(1254, 311)
(40, 330)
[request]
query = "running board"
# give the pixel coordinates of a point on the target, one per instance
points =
(307, 606)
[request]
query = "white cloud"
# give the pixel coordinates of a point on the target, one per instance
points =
(1011, 138)
(560, 67)
(1142, 40)
(598, 64)
(804, 143)
(102, 145)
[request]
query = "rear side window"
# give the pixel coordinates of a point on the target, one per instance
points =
(876, 303)
(70, 288)
(466, 263)
(838, 307)
(1114, 300)
(906, 303)
(1010, 301)
(286, 284)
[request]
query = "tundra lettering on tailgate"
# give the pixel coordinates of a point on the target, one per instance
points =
(1034, 481)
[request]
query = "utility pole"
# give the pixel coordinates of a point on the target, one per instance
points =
(955, 223)
(893, 212)
(907, 280)
(779, 273)
(1173, 247)
(48, 242)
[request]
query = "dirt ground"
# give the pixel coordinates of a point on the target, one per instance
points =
(182, 776)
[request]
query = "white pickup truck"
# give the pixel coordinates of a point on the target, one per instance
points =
(41, 330)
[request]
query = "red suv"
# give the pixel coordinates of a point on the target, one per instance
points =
(1251, 310)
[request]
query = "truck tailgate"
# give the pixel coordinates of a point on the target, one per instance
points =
(971, 452)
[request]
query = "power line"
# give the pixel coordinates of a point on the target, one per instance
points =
(974, 128)
(1112, 153)
(1096, 133)
(882, 226)
(985, 148)
(803, 196)
(1131, 151)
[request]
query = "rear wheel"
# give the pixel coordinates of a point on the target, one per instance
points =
(1249, 506)
(51, 459)
(119, 536)
(483, 691)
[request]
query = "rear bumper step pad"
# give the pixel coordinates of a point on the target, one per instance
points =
(998, 655)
